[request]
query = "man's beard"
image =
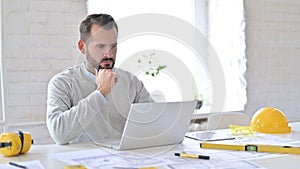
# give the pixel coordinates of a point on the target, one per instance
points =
(107, 66)
(97, 65)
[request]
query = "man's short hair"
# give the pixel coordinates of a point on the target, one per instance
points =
(104, 20)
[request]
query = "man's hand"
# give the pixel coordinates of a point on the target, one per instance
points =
(105, 80)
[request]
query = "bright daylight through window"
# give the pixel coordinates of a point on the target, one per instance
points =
(168, 63)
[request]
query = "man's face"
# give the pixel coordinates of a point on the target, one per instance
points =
(101, 48)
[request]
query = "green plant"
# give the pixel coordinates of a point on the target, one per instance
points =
(154, 71)
(151, 61)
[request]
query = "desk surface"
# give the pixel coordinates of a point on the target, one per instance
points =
(41, 152)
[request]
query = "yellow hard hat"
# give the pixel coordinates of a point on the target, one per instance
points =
(270, 120)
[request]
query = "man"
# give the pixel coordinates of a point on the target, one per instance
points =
(91, 101)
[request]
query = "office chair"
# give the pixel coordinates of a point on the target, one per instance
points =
(223, 120)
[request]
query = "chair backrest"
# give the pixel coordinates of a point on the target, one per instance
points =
(223, 120)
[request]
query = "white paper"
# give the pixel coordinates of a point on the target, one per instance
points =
(95, 158)
(35, 164)
(208, 136)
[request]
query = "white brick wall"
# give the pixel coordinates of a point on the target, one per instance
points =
(40, 39)
(273, 62)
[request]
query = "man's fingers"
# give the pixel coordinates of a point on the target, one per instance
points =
(115, 77)
(96, 72)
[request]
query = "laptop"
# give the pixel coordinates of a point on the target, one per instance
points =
(154, 124)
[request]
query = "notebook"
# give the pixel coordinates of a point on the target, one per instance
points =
(154, 124)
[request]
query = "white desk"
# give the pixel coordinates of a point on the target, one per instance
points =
(40, 152)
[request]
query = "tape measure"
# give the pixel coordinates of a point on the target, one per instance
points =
(15, 143)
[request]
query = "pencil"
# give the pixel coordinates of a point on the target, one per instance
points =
(17, 165)
(192, 156)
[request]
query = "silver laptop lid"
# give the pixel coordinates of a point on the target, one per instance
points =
(155, 124)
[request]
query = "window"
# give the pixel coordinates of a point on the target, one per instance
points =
(177, 81)
(174, 43)
(223, 23)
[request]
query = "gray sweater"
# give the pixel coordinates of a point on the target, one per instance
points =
(77, 112)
